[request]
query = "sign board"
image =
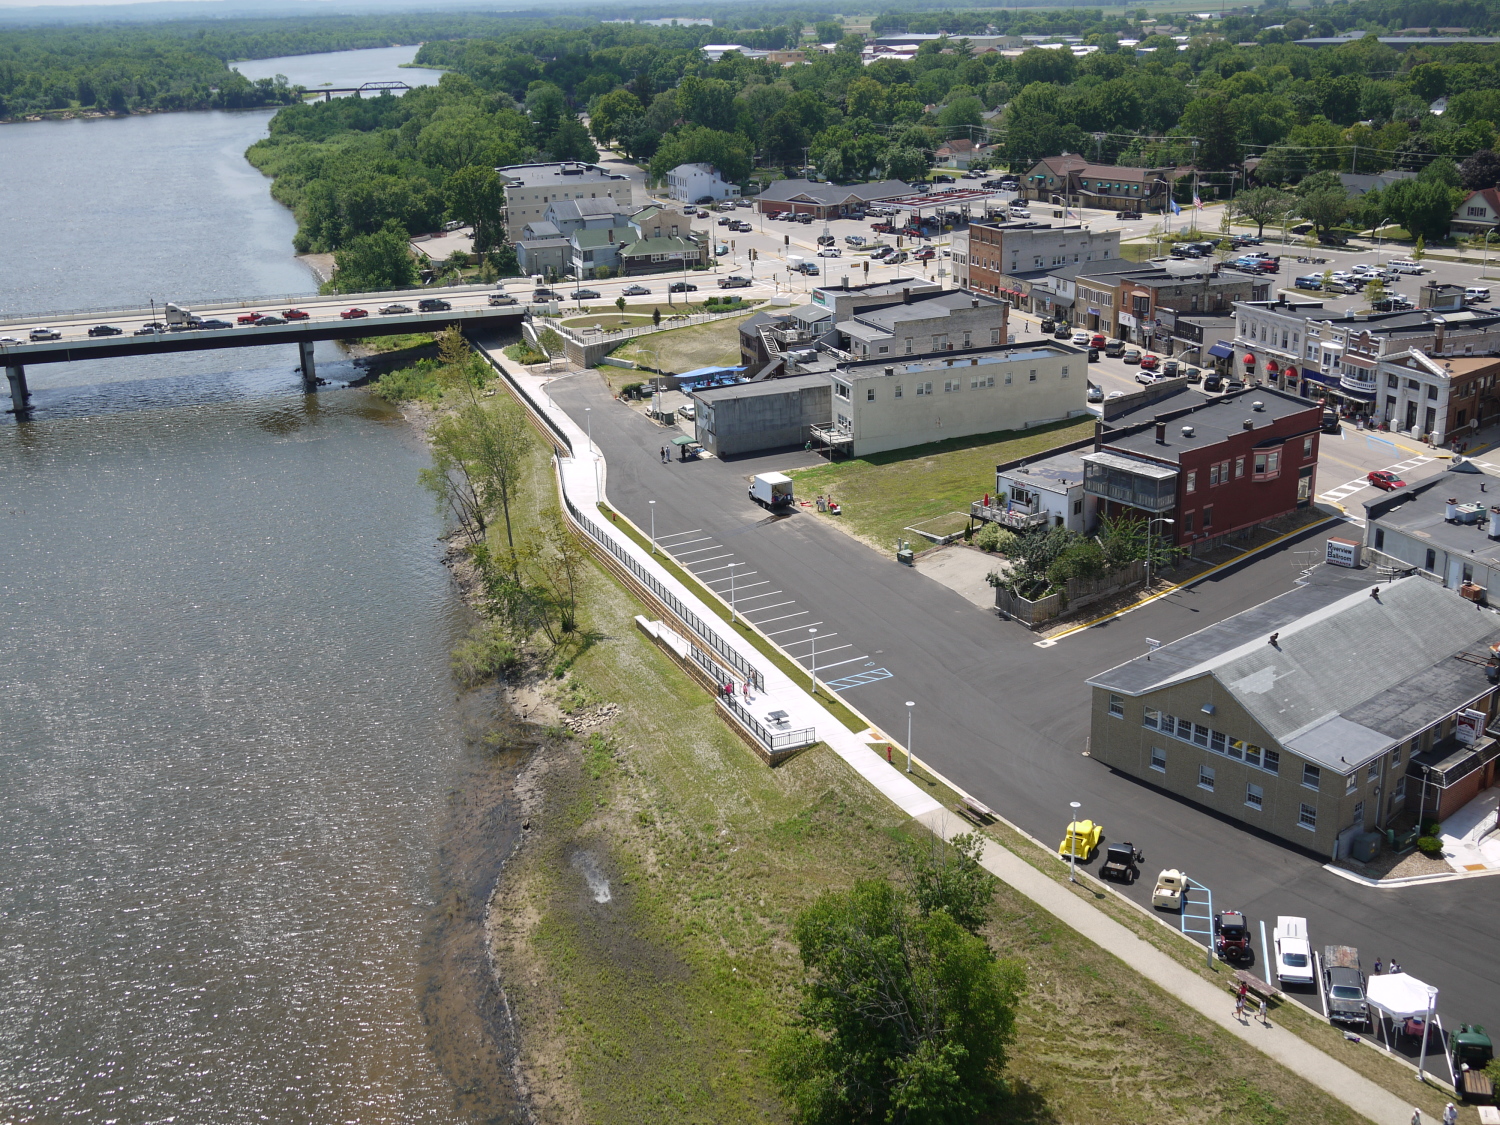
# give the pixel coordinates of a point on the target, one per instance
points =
(1127, 320)
(1343, 552)
(1468, 727)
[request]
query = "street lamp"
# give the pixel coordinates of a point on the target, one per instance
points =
(1378, 228)
(653, 525)
(1073, 844)
(813, 633)
(731, 592)
(588, 419)
(909, 705)
(1149, 525)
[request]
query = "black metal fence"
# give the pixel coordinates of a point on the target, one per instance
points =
(771, 740)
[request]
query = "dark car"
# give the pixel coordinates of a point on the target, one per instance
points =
(1193, 375)
(636, 291)
(296, 314)
(724, 222)
(1129, 215)
(942, 179)
(826, 240)
(682, 287)
(1385, 479)
(1048, 324)
(150, 330)
(1232, 936)
(106, 330)
(264, 320)
(433, 304)
(1328, 238)
(1093, 355)
(213, 325)
(1213, 382)
(585, 295)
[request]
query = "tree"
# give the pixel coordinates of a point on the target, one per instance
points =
(570, 141)
(1374, 292)
(610, 111)
(656, 318)
(1419, 251)
(620, 304)
(1325, 209)
(1480, 171)
(905, 1017)
(1212, 121)
(1423, 207)
(947, 876)
(373, 262)
(906, 164)
(1262, 205)
(475, 198)
(962, 111)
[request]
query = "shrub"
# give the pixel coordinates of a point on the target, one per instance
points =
(1430, 846)
(483, 654)
(524, 353)
(1433, 829)
(993, 537)
(408, 383)
(632, 390)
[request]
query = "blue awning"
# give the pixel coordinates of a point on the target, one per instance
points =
(1221, 350)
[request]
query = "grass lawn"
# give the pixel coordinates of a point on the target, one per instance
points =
(886, 492)
(660, 1002)
(716, 344)
(379, 345)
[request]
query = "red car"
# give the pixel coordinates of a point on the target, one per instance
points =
(1384, 478)
(882, 228)
(926, 254)
(1149, 362)
(248, 318)
(1097, 341)
(295, 314)
(353, 314)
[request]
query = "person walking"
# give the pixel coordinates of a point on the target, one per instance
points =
(1416, 1115)
(1450, 1114)
(1263, 1018)
(1377, 966)
(1239, 1008)
(1394, 967)
(1244, 989)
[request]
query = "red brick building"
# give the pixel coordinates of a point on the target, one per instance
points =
(1213, 467)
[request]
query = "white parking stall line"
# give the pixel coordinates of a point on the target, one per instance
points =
(741, 575)
(752, 597)
(748, 586)
(835, 648)
(675, 534)
(712, 558)
(836, 663)
(786, 617)
(808, 640)
(774, 605)
(695, 551)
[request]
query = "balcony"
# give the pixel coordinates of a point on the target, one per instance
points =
(1017, 519)
(1138, 484)
(1358, 382)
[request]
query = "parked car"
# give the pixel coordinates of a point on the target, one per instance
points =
(585, 294)
(44, 334)
(725, 221)
(1193, 374)
(1476, 293)
(1213, 382)
(433, 304)
(942, 179)
(1406, 265)
(1232, 384)
(1131, 355)
(636, 291)
(354, 314)
(1097, 340)
(1115, 394)
(702, 214)
(106, 330)
(1294, 961)
(826, 240)
(1149, 362)
(1385, 479)
(1311, 281)
(1328, 238)
(1169, 369)
(1145, 377)
(854, 240)
(1081, 337)
(1344, 985)
(1114, 349)
(394, 310)
(682, 287)
(687, 412)
(295, 314)
(1393, 303)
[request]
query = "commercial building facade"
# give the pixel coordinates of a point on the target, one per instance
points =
(988, 255)
(531, 188)
(761, 416)
(826, 201)
(1072, 179)
(1126, 305)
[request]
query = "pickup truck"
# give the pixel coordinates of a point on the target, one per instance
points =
(1294, 963)
(1344, 985)
(734, 281)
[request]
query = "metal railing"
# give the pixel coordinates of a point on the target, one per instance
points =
(771, 740)
(583, 336)
(1007, 517)
(700, 627)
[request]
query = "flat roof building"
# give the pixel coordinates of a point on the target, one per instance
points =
(761, 416)
(530, 188)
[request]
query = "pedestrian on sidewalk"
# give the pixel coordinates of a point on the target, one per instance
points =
(1416, 1116)
(1263, 1018)
(1239, 1008)
(1450, 1114)
(1244, 989)
(1394, 968)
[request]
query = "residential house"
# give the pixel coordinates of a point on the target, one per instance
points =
(665, 240)
(1072, 179)
(1279, 719)
(1357, 184)
(987, 256)
(531, 188)
(572, 215)
(1210, 468)
(1041, 492)
(961, 153)
(1479, 212)
(826, 201)
(699, 183)
(549, 257)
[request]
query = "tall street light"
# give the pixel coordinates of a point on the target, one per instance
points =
(909, 705)
(813, 633)
(1149, 525)
(1073, 844)
(588, 419)
(653, 525)
(1376, 232)
(732, 619)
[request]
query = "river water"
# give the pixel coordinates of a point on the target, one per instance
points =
(228, 738)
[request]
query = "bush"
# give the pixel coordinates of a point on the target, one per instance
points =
(993, 537)
(632, 390)
(1430, 846)
(483, 654)
(408, 383)
(1433, 828)
(525, 354)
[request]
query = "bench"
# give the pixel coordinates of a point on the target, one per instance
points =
(972, 811)
(777, 718)
(1256, 986)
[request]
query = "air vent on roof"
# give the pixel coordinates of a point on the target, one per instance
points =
(1257, 405)
(890, 370)
(1249, 424)
(1187, 431)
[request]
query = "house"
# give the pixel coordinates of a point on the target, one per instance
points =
(531, 188)
(716, 51)
(699, 183)
(1192, 335)
(1207, 468)
(987, 255)
(594, 251)
(550, 257)
(766, 336)
(1041, 492)
(1357, 184)
(961, 153)
(826, 201)
(1072, 179)
(1127, 303)
(911, 400)
(762, 415)
(1278, 717)
(572, 215)
(664, 240)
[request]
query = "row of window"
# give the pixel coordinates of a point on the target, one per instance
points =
(1255, 795)
(1199, 735)
(939, 343)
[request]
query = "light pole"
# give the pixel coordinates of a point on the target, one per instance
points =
(1485, 269)
(1149, 525)
(588, 419)
(653, 525)
(1378, 228)
(909, 705)
(813, 633)
(732, 619)
(1073, 844)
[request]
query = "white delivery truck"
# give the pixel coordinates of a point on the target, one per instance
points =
(1294, 964)
(771, 490)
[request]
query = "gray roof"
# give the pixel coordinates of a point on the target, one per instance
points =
(1356, 183)
(1421, 512)
(1212, 420)
(831, 195)
(1349, 674)
(573, 210)
(762, 387)
(545, 243)
(541, 228)
(559, 174)
(885, 317)
(1056, 473)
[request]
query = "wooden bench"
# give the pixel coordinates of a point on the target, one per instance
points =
(1256, 986)
(972, 811)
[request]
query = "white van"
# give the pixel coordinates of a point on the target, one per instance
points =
(1294, 963)
(1406, 265)
(1476, 293)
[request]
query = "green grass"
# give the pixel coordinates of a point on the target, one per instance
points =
(716, 344)
(381, 344)
(886, 492)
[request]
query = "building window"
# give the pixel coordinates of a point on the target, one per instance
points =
(935, 340)
(1359, 815)
(898, 390)
(1239, 467)
(1065, 371)
(1031, 376)
(1351, 783)
(1272, 762)
(950, 385)
(1206, 778)
(1200, 734)
(1311, 775)
(1431, 563)
(1374, 771)
(883, 349)
(1255, 796)
(1152, 718)
(841, 389)
(1192, 482)
(924, 388)
(994, 335)
(1187, 521)
(1308, 817)
(1216, 741)
(1078, 507)
(1237, 748)
(1158, 759)
(1208, 517)
(1213, 476)
(908, 345)
(1007, 380)
(1396, 756)
(1380, 538)
(1116, 706)
(869, 394)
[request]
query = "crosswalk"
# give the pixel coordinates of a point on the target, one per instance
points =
(756, 597)
(1359, 484)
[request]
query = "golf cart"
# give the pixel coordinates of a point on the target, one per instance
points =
(688, 449)
(1168, 893)
(1082, 840)
(1232, 936)
(1120, 862)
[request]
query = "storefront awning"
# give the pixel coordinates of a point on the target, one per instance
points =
(1221, 350)
(1290, 372)
(1272, 367)
(1249, 360)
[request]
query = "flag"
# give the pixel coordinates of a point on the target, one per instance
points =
(1176, 210)
(1198, 203)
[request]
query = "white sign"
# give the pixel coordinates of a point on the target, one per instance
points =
(1342, 552)
(1468, 727)
(1127, 320)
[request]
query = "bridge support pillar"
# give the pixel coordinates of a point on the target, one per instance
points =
(20, 395)
(309, 368)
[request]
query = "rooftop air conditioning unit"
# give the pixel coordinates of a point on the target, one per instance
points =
(1187, 431)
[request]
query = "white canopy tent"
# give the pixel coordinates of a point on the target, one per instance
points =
(1400, 996)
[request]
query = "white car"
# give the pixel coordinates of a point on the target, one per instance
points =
(8, 341)
(830, 252)
(1082, 338)
(1341, 275)
(1096, 393)
(1476, 293)
(1145, 377)
(45, 334)
(1363, 270)
(1294, 963)
(1114, 394)
(1019, 213)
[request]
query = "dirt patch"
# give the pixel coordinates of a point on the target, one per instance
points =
(964, 570)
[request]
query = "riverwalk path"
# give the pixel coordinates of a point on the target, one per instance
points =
(583, 478)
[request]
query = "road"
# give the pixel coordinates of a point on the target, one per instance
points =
(1007, 720)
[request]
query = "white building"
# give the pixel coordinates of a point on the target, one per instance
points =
(1046, 492)
(531, 188)
(693, 183)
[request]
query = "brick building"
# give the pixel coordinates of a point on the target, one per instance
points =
(988, 256)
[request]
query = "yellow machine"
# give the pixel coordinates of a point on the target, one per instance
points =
(1082, 840)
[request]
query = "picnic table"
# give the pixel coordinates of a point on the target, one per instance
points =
(971, 810)
(777, 718)
(1256, 986)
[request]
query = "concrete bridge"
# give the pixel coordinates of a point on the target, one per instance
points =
(358, 91)
(470, 311)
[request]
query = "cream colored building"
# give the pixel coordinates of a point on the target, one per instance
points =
(919, 399)
(531, 188)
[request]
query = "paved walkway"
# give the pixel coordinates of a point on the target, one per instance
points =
(583, 480)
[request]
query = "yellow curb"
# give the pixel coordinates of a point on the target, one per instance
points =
(1193, 581)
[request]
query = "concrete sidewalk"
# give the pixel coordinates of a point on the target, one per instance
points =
(582, 478)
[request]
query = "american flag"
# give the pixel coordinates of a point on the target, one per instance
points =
(1198, 203)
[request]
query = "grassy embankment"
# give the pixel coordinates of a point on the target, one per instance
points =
(659, 1003)
(715, 344)
(928, 485)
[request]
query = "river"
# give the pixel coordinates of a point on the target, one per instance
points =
(228, 739)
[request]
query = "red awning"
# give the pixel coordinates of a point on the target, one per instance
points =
(1290, 372)
(1249, 360)
(1272, 367)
